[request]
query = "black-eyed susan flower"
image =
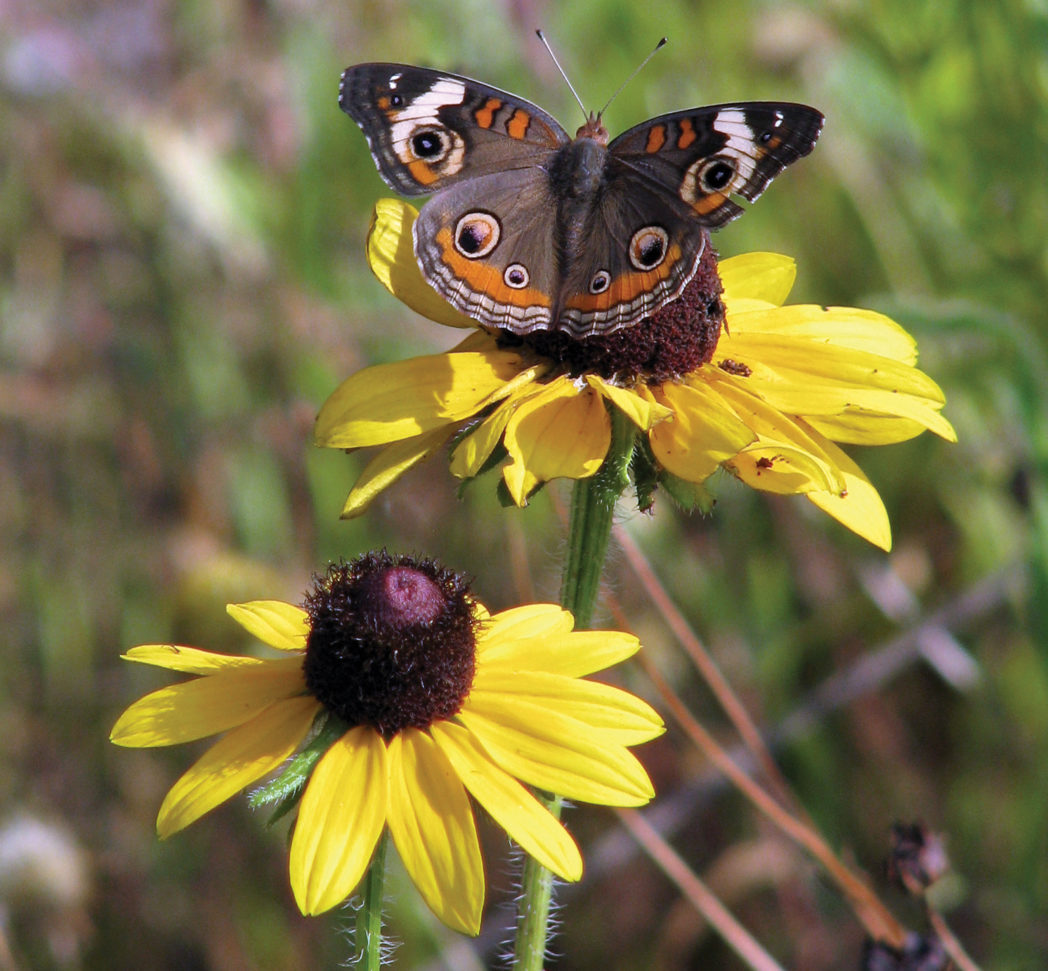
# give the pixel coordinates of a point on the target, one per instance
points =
(734, 379)
(432, 698)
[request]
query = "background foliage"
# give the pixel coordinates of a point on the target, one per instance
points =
(182, 213)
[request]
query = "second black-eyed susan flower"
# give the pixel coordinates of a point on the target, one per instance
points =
(735, 379)
(436, 698)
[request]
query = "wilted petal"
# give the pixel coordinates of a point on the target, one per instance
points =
(560, 432)
(703, 433)
(389, 465)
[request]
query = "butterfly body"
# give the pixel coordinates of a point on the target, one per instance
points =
(530, 229)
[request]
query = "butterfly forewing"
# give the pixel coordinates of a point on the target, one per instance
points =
(706, 155)
(429, 129)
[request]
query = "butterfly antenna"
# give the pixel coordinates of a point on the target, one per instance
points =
(636, 71)
(571, 87)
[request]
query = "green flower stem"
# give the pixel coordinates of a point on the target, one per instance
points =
(592, 508)
(529, 951)
(589, 529)
(369, 918)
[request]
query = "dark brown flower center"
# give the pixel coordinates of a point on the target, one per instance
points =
(391, 642)
(673, 341)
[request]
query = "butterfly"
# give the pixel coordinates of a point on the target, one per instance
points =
(530, 229)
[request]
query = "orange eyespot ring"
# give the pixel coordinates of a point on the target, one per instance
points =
(477, 234)
(648, 247)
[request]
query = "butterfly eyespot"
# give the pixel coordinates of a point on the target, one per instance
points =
(648, 247)
(477, 234)
(396, 100)
(516, 275)
(430, 144)
(600, 282)
(716, 174)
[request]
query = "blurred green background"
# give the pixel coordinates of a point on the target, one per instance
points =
(182, 216)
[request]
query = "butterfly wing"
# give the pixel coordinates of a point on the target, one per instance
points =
(428, 130)
(487, 246)
(703, 156)
(642, 247)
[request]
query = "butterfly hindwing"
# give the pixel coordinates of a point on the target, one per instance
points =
(487, 244)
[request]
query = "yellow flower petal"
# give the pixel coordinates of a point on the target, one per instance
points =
(389, 402)
(207, 706)
(787, 457)
(559, 432)
(234, 762)
(572, 655)
(859, 427)
(764, 277)
(789, 376)
(189, 660)
(643, 412)
(391, 255)
(475, 448)
(340, 818)
(509, 803)
(529, 620)
(432, 825)
(773, 465)
(861, 330)
(273, 622)
(703, 433)
(858, 506)
(389, 465)
(559, 754)
(619, 716)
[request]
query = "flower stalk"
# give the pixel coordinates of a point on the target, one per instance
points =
(589, 530)
(369, 917)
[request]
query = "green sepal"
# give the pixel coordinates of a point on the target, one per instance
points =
(286, 789)
(645, 473)
(690, 496)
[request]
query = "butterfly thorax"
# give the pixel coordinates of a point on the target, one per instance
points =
(577, 170)
(578, 178)
(594, 128)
